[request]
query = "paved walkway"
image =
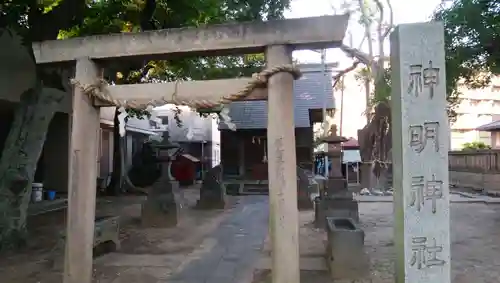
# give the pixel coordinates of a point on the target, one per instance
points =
(239, 240)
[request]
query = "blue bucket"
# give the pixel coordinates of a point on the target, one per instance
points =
(51, 195)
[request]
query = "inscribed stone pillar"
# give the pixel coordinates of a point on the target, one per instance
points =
(212, 190)
(283, 214)
(420, 139)
(82, 178)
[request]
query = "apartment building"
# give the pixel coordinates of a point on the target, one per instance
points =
(477, 107)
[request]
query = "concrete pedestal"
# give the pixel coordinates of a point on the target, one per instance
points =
(345, 254)
(334, 207)
(160, 208)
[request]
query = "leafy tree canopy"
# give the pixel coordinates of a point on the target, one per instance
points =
(472, 41)
(472, 45)
(51, 19)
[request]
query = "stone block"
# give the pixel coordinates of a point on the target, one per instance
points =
(160, 210)
(341, 207)
(159, 215)
(336, 168)
(336, 187)
(212, 190)
(304, 190)
(319, 214)
(107, 229)
(303, 196)
(218, 202)
(334, 207)
(346, 258)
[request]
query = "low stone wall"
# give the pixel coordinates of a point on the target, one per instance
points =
(489, 181)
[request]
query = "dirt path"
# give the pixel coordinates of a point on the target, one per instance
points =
(224, 251)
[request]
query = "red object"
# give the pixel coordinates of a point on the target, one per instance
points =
(352, 143)
(260, 171)
(183, 169)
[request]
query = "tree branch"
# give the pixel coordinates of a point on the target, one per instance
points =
(378, 65)
(356, 53)
(391, 19)
(340, 74)
(381, 13)
(360, 55)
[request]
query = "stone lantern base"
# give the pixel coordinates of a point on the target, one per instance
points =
(160, 210)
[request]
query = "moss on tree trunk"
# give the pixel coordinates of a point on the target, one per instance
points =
(19, 158)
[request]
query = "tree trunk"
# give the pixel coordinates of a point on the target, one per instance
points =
(18, 162)
(116, 182)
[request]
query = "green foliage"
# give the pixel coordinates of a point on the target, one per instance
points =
(125, 16)
(475, 145)
(51, 19)
(472, 40)
(382, 91)
(114, 16)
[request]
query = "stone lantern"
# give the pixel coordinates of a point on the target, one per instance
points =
(335, 200)
(160, 209)
(336, 183)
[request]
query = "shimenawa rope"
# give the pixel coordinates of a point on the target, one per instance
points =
(259, 80)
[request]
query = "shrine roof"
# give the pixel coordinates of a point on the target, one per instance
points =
(309, 93)
(490, 127)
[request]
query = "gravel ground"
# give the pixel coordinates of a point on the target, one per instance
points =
(475, 243)
(475, 234)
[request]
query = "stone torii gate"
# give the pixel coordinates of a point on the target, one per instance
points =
(276, 38)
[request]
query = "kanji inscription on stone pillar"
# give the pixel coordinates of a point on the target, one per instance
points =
(420, 154)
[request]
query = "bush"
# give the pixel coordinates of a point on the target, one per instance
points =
(475, 145)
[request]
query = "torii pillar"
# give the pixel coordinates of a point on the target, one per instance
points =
(82, 179)
(283, 213)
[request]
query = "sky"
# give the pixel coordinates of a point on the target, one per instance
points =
(404, 12)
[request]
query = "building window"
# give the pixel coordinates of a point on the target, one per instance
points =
(164, 120)
(153, 124)
(484, 134)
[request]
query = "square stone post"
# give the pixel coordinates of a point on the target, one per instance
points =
(283, 214)
(420, 143)
(82, 178)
